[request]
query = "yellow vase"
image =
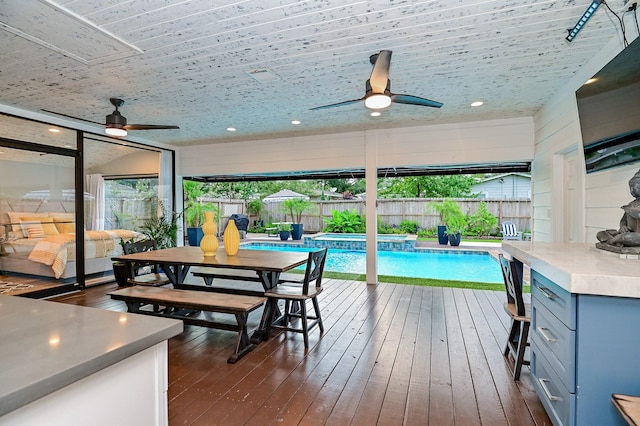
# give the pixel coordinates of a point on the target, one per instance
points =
(209, 243)
(231, 238)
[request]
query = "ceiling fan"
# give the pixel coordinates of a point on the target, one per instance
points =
(378, 88)
(116, 123)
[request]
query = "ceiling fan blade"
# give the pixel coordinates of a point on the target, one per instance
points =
(148, 127)
(380, 73)
(338, 104)
(414, 100)
(72, 117)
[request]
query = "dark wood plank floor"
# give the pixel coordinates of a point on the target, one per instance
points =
(390, 355)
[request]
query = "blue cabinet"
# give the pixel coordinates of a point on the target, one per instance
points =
(583, 349)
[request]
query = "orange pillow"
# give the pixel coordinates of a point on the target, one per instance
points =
(65, 226)
(48, 227)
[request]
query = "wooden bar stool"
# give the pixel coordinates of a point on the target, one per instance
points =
(520, 314)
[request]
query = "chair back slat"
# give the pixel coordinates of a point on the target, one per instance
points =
(510, 231)
(513, 284)
(139, 247)
(315, 268)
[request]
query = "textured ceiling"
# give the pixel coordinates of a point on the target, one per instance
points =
(188, 63)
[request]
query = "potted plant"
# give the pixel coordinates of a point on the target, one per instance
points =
(194, 217)
(284, 229)
(254, 208)
(194, 211)
(294, 207)
(455, 225)
(445, 210)
(121, 273)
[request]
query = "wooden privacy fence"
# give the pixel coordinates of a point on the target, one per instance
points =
(394, 211)
(390, 211)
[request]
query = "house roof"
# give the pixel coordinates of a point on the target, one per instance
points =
(258, 65)
(285, 194)
(503, 175)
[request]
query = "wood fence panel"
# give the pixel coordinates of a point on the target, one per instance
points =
(390, 211)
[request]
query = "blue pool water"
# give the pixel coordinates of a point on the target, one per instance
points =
(438, 264)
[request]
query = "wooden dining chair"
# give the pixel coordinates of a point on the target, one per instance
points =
(520, 313)
(295, 297)
(628, 406)
(144, 273)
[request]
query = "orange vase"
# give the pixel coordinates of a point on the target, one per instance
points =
(209, 243)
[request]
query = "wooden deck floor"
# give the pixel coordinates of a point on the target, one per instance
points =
(390, 355)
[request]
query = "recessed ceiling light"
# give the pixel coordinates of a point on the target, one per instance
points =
(231, 129)
(376, 114)
(476, 103)
(54, 130)
(591, 80)
(295, 122)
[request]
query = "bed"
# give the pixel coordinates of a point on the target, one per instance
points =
(43, 244)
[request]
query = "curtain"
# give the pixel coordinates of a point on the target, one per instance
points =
(95, 212)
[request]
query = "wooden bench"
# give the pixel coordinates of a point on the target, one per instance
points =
(187, 304)
(208, 275)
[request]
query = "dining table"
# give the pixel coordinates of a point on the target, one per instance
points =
(177, 261)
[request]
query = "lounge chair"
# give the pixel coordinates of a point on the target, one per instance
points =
(510, 231)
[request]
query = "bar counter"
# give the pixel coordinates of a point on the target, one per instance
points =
(49, 348)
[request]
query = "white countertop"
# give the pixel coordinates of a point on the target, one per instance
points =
(46, 346)
(579, 268)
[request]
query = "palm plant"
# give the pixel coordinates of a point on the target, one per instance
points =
(295, 207)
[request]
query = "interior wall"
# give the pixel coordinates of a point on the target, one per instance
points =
(139, 163)
(557, 136)
(472, 142)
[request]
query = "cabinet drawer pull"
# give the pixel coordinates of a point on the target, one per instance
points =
(546, 390)
(543, 333)
(548, 293)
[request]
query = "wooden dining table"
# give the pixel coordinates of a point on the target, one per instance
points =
(267, 264)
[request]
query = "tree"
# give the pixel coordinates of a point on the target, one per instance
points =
(449, 186)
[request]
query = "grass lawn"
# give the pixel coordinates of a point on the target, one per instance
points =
(419, 281)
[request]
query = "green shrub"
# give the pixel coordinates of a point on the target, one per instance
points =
(384, 228)
(408, 227)
(482, 222)
(347, 222)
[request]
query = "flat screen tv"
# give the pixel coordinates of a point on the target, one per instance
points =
(609, 111)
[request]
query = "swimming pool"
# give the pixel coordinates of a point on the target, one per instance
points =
(473, 266)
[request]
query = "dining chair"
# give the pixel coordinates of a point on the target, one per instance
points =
(520, 313)
(144, 273)
(628, 406)
(295, 299)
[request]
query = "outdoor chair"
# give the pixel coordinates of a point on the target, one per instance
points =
(510, 231)
(144, 273)
(628, 406)
(520, 314)
(295, 297)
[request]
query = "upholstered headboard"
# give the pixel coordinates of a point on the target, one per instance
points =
(11, 212)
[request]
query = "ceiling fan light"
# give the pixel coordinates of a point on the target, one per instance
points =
(115, 131)
(377, 101)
